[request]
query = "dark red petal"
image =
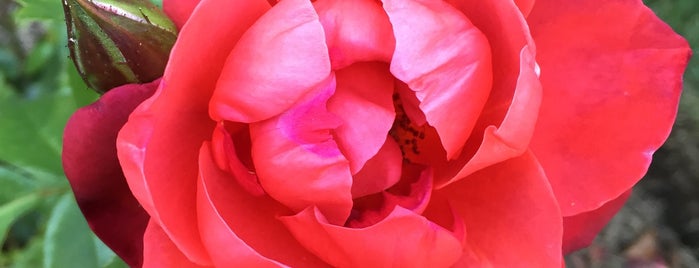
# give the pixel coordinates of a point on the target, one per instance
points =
(159, 251)
(403, 239)
(179, 10)
(159, 147)
(611, 89)
(242, 230)
(511, 215)
(91, 165)
(579, 230)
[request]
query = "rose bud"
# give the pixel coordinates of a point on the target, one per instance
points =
(113, 43)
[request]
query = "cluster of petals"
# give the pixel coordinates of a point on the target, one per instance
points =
(366, 133)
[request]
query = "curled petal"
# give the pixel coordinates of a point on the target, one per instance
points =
(380, 172)
(446, 61)
(298, 162)
(363, 102)
(511, 137)
(278, 60)
(403, 239)
(92, 168)
(356, 31)
(611, 91)
(237, 227)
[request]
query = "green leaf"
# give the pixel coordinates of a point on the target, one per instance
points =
(46, 10)
(30, 257)
(14, 184)
(11, 211)
(69, 242)
(32, 130)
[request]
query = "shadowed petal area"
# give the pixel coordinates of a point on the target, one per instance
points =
(446, 61)
(510, 214)
(158, 147)
(179, 10)
(355, 31)
(278, 60)
(363, 102)
(91, 165)
(380, 172)
(611, 90)
(403, 239)
(297, 161)
(579, 230)
(241, 230)
(159, 251)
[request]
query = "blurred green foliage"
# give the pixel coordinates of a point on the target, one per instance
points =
(40, 224)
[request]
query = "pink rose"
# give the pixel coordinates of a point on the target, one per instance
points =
(407, 133)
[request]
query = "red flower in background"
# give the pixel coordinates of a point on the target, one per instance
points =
(381, 133)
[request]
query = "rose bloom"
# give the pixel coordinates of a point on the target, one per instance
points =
(393, 133)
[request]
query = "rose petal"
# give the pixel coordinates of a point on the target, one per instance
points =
(363, 101)
(298, 162)
(511, 215)
(380, 172)
(179, 10)
(167, 130)
(513, 88)
(579, 230)
(355, 31)
(92, 168)
(511, 137)
(403, 239)
(525, 6)
(611, 90)
(159, 251)
(446, 61)
(237, 227)
(278, 60)
(225, 152)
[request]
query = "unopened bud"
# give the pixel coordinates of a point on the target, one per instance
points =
(117, 42)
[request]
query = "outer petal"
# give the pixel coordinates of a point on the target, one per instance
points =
(579, 230)
(167, 130)
(278, 60)
(446, 61)
(179, 10)
(363, 101)
(403, 239)
(611, 89)
(241, 230)
(91, 165)
(297, 160)
(159, 251)
(355, 31)
(511, 216)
